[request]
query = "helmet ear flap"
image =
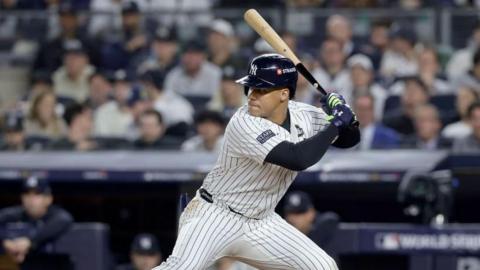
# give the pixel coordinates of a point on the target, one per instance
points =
(245, 90)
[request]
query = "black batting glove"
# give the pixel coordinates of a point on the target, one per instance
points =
(342, 117)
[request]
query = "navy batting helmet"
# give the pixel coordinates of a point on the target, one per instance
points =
(270, 71)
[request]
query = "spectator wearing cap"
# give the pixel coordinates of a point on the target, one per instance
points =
(321, 228)
(400, 59)
(115, 118)
(415, 94)
(375, 135)
(222, 46)
(50, 53)
(163, 51)
(145, 253)
(427, 135)
(470, 143)
(70, 81)
(462, 128)
(127, 48)
(333, 74)
(13, 134)
(100, 88)
(43, 120)
(230, 97)
(27, 229)
(194, 76)
(362, 80)
(152, 133)
(175, 110)
(80, 128)
(210, 126)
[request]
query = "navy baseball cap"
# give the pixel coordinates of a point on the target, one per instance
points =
(195, 46)
(297, 202)
(130, 7)
(145, 244)
(164, 33)
(73, 46)
(36, 184)
(155, 77)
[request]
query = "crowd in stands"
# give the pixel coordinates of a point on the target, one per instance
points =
(128, 83)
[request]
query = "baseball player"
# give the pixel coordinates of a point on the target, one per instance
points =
(266, 143)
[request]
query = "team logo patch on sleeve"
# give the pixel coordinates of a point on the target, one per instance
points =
(265, 136)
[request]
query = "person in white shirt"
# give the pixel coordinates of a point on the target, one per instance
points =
(210, 127)
(332, 74)
(461, 60)
(195, 76)
(174, 108)
(462, 128)
(114, 118)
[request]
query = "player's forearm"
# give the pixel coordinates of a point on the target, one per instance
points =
(299, 156)
(347, 137)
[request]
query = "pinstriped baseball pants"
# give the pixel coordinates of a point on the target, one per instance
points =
(209, 232)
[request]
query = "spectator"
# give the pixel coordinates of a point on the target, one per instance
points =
(114, 118)
(164, 50)
(175, 110)
(362, 80)
(80, 127)
(152, 133)
(210, 127)
(414, 95)
(400, 59)
(13, 134)
(339, 28)
(41, 82)
(50, 53)
(332, 74)
(42, 120)
(472, 77)
(378, 42)
(100, 90)
(320, 227)
(462, 128)
(427, 130)
(471, 143)
(430, 74)
(222, 46)
(145, 253)
(195, 76)
(461, 60)
(305, 91)
(29, 228)
(128, 48)
(230, 97)
(374, 134)
(71, 80)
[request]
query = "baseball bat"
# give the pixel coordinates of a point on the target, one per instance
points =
(263, 28)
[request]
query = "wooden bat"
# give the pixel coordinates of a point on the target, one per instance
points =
(258, 23)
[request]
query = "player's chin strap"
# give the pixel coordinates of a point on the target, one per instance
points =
(204, 194)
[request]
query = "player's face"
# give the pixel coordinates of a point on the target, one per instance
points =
(145, 262)
(265, 103)
(36, 204)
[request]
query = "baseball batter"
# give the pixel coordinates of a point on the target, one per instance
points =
(267, 142)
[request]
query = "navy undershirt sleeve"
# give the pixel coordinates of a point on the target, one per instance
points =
(299, 156)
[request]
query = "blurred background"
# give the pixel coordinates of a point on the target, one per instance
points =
(111, 109)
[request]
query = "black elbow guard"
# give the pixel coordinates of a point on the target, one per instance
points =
(348, 137)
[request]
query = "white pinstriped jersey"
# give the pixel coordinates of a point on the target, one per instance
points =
(241, 179)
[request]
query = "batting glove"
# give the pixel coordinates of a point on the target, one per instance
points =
(330, 101)
(342, 116)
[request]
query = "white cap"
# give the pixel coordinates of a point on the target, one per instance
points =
(223, 27)
(361, 60)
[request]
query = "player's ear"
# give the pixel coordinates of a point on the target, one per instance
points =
(285, 94)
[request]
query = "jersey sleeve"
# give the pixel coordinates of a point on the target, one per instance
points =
(252, 137)
(319, 119)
